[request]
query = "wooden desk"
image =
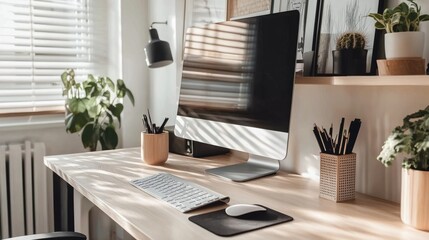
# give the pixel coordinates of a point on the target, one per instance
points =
(102, 178)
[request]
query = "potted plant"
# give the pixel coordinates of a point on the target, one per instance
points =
(411, 140)
(402, 24)
(350, 54)
(93, 108)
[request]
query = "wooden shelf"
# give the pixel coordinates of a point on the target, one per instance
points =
(404, 80)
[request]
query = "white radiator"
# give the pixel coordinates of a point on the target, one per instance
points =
(26, 191)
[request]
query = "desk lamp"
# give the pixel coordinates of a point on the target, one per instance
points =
(158, 53)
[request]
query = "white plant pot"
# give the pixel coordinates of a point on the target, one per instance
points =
(415, 198)
(404, 45)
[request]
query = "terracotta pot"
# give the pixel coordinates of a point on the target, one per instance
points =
(404, 45)
(415, 198)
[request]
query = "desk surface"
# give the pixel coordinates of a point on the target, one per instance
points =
(103, 177)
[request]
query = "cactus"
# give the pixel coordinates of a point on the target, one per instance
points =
(351, 40)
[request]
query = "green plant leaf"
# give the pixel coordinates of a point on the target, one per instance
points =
(403, 7)
(75, 122)
(130, 95)
(90, 136)
(413, 16)
(424, 17)
(91, 78)
(64, 78)
(94, 111)
(379, 26)
(106, 94)
(76, 105)
(387, 14)
(396, 18)
(110, 84)
(120, 88)
(116, 111)
(109, 138)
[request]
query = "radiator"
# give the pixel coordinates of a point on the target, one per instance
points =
(26, 192)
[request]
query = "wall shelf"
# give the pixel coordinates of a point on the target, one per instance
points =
(404, 80)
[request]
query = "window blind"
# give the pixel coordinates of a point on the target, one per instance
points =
(39, 39)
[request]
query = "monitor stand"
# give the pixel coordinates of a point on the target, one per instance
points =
(255, 167)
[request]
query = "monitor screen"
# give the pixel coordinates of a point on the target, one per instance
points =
(237, 84)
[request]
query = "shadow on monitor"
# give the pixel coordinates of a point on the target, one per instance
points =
(236, 90)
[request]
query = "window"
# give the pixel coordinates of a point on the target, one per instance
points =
(39, 39)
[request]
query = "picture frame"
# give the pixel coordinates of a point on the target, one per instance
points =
(248, 8)
(301, 6)
(336, 17)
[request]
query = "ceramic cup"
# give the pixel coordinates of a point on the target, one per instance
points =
(154, 148)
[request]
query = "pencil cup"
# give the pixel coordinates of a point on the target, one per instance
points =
(337, 176)
(154, 148)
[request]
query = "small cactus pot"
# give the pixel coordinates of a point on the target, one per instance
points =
(349, 61)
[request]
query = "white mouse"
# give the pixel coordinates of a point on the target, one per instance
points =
(241, 209)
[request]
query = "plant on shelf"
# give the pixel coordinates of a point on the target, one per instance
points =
(93, 108)
(404, 19)
(411, 141)
(350, 54)
(351, 40)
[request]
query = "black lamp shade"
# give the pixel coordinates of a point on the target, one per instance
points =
(158, 53)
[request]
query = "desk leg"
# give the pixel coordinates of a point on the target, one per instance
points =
(82, 206)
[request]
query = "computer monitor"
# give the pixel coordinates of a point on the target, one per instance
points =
(236, 90)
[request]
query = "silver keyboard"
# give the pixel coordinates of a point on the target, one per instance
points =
(179, 193)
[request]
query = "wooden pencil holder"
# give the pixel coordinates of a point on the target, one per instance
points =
(154, 148)
(337, 176)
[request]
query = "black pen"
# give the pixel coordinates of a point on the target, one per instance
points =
(340, 134)
(318, 138)
(354, 131)
(161, 129)
(147, 124)
(153, 130)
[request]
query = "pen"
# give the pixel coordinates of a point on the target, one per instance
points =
(354, 130)
(343, 144)
(318, 138)
(329, 139)
(161, 129)
(153, 130)
(340, 134)
(146, 124)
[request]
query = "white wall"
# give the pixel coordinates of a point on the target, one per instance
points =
(134, 33)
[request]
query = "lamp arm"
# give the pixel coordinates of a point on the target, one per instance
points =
(166, 22)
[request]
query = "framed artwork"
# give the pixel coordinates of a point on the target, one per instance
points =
(301, 6)
(248, 8)
(338, 17)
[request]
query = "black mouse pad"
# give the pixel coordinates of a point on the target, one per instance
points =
(223, 225)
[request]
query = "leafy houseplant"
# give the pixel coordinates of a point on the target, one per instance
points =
(93, 108)
(402, 25)
(412, 140)
(350, 54)
(402, 18)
